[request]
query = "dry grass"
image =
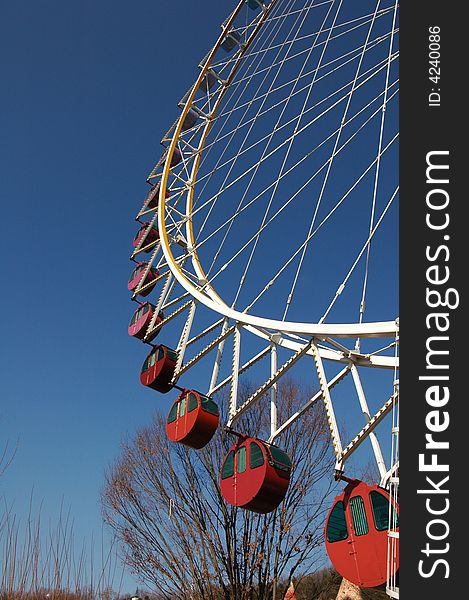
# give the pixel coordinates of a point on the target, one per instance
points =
(35, 564)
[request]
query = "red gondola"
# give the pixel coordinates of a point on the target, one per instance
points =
(158, 369)
(151, 199)
(193, 419)
(356, 533)
(255, 475)
(141, 319)
(152, 236)
(137, 275)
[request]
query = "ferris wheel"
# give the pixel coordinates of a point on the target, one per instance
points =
(268, 242)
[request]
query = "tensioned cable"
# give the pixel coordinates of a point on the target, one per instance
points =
(228, 113)
(382, 12)
(233, 90)
(208, 94)
(377, 172)
(354, 52)
(298, 163)
(284, 206)
(208, 176)
(247, 134)
(288, 262)
(242, 123)
(302, 38)
(312, 122)
(287, 153)
(299, 10)
(176, 225)
(274, 33)
(384, 348)
(329, 166)
(236, 212)
(366, 171)
(354, 134)
(357, 260)
(235, 86)
(277, 74)
(238, 96)
(293, 138)
(305, 37)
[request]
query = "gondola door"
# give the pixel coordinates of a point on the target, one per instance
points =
(181, 422)
(241, 476)
(368, 544)
(360, 543)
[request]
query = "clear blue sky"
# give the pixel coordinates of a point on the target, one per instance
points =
(88, 89)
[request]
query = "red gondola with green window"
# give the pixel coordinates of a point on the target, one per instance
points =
(137, 275)
(141, 319)
(158, 369)
(151, 235)
(255, 475)
(193, 419)
(356, 533)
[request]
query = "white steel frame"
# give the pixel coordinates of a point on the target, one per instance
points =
(319, 341)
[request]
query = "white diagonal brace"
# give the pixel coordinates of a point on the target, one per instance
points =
(205, 332)
(206, 350)
(181, 349)
(141, 245)
(372, 423)
(234, 374)
(318, 396)
(175, 313)
(245, 367)
(271, 381)
(366, 413)
(161, 299)
(166, 291)
(217, 363)
(273, 391)
(142, 288)
(330, 415)
(142, 248)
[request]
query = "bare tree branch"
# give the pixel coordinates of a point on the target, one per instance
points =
(164, 502)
